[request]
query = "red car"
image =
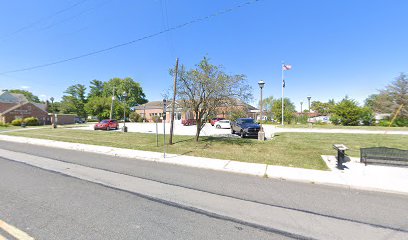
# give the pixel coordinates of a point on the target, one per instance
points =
(107, 124)
(214, 120)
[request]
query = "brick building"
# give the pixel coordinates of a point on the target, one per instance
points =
(11, 111)
(154, 109)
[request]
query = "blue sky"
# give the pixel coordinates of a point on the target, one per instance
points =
(336, 48)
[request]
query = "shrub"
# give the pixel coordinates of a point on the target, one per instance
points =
(367, 116)
(31, 121)
(156, 119)
(384, 123)
(2, 124)
(400, 122)
(92, 120)
(135, 117)
(17, 122)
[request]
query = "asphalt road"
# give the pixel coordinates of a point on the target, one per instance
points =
(52, 206)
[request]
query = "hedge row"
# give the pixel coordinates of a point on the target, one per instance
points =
(30, 121)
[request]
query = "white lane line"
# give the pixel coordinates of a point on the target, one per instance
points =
(13, 231)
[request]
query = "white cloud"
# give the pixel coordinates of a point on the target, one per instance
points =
(25, 87)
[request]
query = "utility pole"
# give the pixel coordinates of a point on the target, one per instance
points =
(173, 104)
(113, 99)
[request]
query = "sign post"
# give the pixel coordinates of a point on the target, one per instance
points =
(164, 126)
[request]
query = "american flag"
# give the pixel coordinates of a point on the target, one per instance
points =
(286, 67)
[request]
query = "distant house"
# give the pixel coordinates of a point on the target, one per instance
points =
(154, 110)
(15, 106)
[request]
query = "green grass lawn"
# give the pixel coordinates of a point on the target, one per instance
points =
(331, 126)
(10, 127)
(286, 149)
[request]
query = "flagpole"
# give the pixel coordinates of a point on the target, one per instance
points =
(282, 89)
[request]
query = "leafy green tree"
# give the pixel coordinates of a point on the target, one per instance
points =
(133, 89)
(99, 107)
(346, 113)
(96, 88)
(323, 108)
(74, 101)
(289, 110)
(267, 105)
(29, 95)
(206, 88)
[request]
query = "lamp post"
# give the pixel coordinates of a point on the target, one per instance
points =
(308, 99)
(261, 133)
(124, 111)
(144, 113)
(54, 121)
(164, 126)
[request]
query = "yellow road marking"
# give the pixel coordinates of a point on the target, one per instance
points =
(15, 232)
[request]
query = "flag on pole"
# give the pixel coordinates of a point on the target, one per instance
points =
(283, 83)
(286, 67)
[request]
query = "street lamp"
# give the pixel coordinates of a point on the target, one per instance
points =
(164, 126)
(124, 111)
(261, 133)
(308, 99)
(54, 121)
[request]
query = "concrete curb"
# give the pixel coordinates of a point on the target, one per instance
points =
(331, 178)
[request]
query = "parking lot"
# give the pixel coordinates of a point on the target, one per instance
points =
(179, 129)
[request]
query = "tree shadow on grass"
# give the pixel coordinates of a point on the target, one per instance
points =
(227, 140)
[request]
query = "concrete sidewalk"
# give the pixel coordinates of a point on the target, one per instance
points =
(355, 175)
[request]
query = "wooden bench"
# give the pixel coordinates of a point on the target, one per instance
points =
(341, 154)
(384, 156)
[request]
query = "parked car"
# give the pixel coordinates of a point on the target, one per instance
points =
(223, 124)
(214, 120)
(188, 122)
(107, 124)
(245, 127)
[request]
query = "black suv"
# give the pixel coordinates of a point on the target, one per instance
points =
(245, 127)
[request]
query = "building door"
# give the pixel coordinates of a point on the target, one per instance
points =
(177, 117)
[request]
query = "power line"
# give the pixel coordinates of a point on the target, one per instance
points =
(196, 20)
(28, 26)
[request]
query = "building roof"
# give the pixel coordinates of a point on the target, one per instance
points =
(8, 97)
(153, 105)
(5, 106)
(159, 105)
(16, 106)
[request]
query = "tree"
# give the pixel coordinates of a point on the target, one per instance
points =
(133, 89)
(346, 113)
(96, 89)
(323, 108)
(394, 95)
(288, 112)
(398, 94)
(29, 95)
(267, 105)
(206, 88)
(100, 97)
(99, 107)
(75, 100)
